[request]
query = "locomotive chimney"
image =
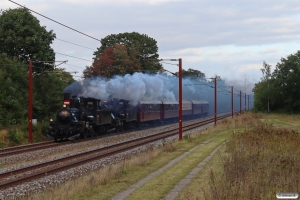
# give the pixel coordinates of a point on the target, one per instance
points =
(67, 96)
(66, 100)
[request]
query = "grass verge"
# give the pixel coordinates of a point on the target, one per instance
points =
(259, 162)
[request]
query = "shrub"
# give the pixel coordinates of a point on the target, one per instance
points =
(15, 136)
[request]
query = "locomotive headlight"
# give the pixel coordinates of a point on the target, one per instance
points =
(51, 120)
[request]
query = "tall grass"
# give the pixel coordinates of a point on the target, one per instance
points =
(262, 161)
(18, 134)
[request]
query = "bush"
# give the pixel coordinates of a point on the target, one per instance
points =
(39, 131)
(15, 136)
(3, 144)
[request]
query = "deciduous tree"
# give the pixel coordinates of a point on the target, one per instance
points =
(192, 73)
(140, 47)
(23, 38)
(113, 61)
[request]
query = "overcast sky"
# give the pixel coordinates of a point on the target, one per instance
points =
(228, 38)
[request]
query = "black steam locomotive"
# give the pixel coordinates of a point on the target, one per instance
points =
(87, 117)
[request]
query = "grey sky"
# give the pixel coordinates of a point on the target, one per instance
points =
(226, 38)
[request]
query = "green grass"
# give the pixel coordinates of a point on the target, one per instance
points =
(196, 189)
(159, 186)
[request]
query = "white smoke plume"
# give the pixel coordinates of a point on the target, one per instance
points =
(134, 87)
(141, 86)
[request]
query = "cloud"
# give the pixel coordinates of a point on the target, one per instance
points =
(269, 50)
(123, 2)
(188, 51)
(38, 6)
(249, 67)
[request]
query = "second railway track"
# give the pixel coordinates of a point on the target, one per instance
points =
(43, 145)
(19, 176)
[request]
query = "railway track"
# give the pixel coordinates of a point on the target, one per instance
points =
(43, 145)
(19, 176)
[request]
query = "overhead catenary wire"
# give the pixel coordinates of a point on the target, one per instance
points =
(55, 21)
(74, 44)
(72, 65)
(73, 57)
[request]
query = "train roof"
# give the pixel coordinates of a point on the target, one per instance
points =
(199, 102)
(187, 101)
(169, 102)
(150, 102)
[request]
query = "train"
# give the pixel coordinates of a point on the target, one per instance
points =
(83, 117)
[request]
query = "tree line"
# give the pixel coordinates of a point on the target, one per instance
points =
(22, 38)
(279, 90)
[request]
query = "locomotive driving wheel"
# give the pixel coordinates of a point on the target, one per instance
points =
(85, 134)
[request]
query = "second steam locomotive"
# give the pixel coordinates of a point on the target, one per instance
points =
(86, 117)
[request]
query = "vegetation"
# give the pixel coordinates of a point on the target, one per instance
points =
(13, 91)
(279, 89)
(124, 53)
(113, 61)
(24, 39)
(192, 73)
(21, 39)
(18, 134)
(258, 162)
(47, 92)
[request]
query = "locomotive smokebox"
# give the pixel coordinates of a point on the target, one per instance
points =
(67, 96)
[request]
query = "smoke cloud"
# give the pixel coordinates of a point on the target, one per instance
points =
(139, 87)
(134, 87)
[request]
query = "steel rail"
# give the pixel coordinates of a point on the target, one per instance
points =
(55, 166)
(44, 145)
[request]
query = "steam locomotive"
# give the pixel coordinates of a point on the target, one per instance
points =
(87, 117)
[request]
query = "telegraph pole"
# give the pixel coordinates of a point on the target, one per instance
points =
(232, 101)
(180, 99)
(180, 94)
(248, 101)
(30, 102)
(245, 102)
(240, 101)
(215, 106)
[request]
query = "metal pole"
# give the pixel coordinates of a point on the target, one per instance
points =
(232, 101)
(30, 102)
(215, 101)
(245, 102)
(240, 101)
(248, 101)
(268, 97)
(180, 99)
